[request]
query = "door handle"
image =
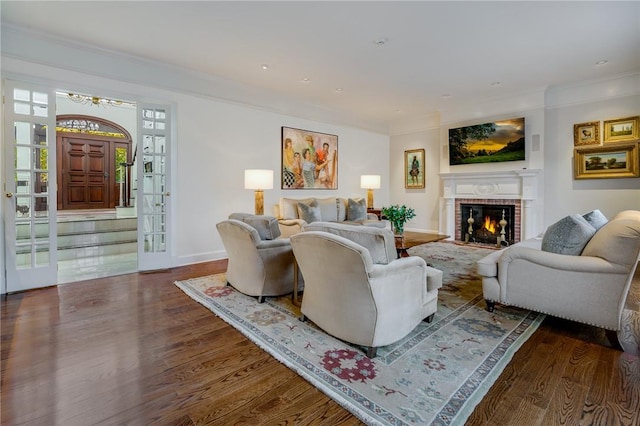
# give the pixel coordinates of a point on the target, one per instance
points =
(9, 194)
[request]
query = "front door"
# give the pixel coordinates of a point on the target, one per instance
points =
(91, 151)
(85, 173)
(30, 188)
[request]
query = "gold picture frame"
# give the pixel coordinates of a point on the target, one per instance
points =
(414, 169)
(621, 129)
(609, 161)
(586, 133)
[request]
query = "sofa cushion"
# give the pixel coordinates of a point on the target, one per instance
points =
(357, 209)
(289, 207)
(328, 209)
(596, 218)
(569, 235)
(309, 212)
(380, 242)
(617, 242)
(267, 226)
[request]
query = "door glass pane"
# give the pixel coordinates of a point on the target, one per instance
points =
(42, 254)
(41, 208)
(23, 183)
(40, 110)
(21, 108)
(21, 95)
(23, 157)
(40, 98)
(23, 207)
(23, 231)
(22, 132)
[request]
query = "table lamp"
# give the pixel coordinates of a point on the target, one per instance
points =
(258, 180)
(370, 182)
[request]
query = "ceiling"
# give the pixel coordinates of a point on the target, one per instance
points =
(382, 61)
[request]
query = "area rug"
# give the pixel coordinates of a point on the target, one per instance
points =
(434, 376)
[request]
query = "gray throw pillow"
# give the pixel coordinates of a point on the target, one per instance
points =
(309, 212)
(356, 209)
(569, 235)
(267, 226)
(596, 219)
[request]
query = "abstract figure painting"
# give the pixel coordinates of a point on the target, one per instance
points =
(309, 159)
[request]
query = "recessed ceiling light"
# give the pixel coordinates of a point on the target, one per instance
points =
(602, 62)
(495, 83)
(397, 110)
(339, 90)
(446, 96)
(264, 66)
(305, 80)
(380, 41)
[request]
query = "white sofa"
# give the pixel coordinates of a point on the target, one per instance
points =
(590, 288)
(357, 289)
(329, 209)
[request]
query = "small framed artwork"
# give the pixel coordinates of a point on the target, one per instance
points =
(612, 161)
(309, 159)
(586, 133)
(621, 129)
(414, 169)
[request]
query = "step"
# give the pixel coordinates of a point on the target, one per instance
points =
(89, 252)
(97, 225)
(96, 238)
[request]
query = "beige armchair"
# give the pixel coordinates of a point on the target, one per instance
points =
(256, 267)
(359, 301)
(590, 288)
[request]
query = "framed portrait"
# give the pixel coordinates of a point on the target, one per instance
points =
(309, 159)
(586, 133)
(414, 169)
(612, 161)
(621, 129)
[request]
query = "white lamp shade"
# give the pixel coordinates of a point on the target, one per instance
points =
(258, 179)
(370, 181)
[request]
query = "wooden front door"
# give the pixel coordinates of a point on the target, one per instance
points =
(85, 177)
(87, 158)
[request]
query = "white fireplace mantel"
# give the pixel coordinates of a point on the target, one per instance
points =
(523, 184)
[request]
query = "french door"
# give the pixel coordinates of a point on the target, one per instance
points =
(30, 186)
(154, 195)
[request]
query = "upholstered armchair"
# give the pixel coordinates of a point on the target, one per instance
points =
(359, 301)
(257, 267)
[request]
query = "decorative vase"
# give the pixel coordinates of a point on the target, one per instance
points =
(398, 229)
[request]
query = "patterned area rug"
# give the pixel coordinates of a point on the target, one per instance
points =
(434, 376)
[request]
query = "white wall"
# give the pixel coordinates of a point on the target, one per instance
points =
(425, 201)
(565, 195)
(216, 141)
(549, 119)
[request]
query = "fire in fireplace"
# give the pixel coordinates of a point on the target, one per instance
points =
(487, 224)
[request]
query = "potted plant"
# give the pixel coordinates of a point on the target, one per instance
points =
(398, 216)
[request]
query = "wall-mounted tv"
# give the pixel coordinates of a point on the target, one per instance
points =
(487, 143)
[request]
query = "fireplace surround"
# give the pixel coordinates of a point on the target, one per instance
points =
(518, 188)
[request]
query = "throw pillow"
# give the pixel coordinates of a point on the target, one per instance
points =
(309, 212)
(267, 226)
(356, 209)
(569, 235)
(596, 219)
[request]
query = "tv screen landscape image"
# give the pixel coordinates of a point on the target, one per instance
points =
(501, 140)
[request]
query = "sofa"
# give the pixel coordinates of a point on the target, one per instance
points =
(294, 213)
(357, 289)
(580, 269)
(260, 263)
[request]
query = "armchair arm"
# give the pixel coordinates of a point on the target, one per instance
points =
(278, 242)
(559, 262)
(289, 227)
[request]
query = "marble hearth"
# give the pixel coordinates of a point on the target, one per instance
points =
(521, 188)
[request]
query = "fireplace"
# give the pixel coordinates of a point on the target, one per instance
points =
(487, 223)
(517, 190)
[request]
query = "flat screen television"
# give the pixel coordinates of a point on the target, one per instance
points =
(487, 143)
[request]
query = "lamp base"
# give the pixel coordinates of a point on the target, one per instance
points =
(259, 202)
(370, 199)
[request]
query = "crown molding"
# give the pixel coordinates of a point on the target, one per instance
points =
(588, 91)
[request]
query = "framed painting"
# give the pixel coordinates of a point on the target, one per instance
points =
(309, 159)
(586, 133)
(621, 129)
(414, 169)
(613, 161)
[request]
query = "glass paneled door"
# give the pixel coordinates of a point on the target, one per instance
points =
(30, 188)
(154, 196)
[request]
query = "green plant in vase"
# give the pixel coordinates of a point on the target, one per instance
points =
(398, 216)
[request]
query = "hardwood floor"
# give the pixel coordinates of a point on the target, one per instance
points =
(134, 349)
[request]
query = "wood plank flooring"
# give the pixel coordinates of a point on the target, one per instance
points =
(135, 350)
